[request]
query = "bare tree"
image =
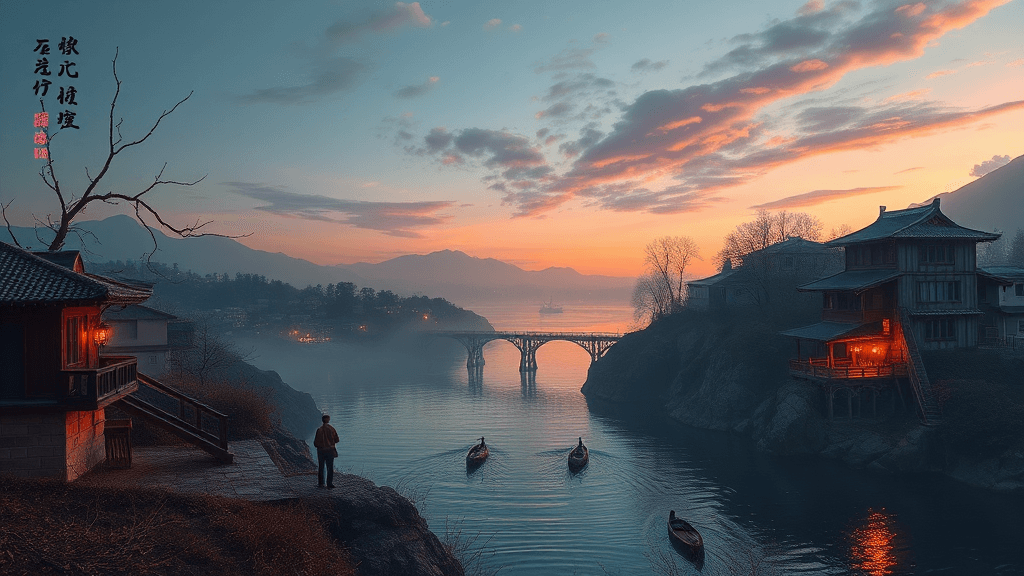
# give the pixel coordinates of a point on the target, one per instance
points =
(207, 353)
(72, 205)
(838, 232)
(651, 299)
(767, 229)
(661, 290)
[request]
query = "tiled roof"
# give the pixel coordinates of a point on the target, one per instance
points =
(852, 280)
(954, 312)
(28, 279)
(137, 312)
(712, 280)
(793, 245)
(65, 258)
(827, 331)
(921, 222)
(1008, 274)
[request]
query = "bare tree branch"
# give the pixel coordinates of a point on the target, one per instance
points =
(71, 206)
(3, 208)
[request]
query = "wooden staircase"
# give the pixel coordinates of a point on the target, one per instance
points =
(928, 405)
(187, 424)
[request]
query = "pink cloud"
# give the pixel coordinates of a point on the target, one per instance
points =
(911, 10)
(809, 66)
(940, 74)
(811, 7)
(492, 23)
(1015, 63)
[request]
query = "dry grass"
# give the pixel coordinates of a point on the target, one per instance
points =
(49, 527)
(250, 409)
(468, 549)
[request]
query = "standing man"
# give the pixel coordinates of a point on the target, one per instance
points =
(324, 441)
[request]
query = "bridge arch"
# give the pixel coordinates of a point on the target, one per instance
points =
(595, 343)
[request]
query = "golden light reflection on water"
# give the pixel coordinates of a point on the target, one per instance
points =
(872, 547)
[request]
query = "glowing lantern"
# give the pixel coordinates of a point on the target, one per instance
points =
(102, 333)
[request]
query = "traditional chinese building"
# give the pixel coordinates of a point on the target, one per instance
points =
(142, 332)
(764, 274)
(1001, 299)
(910, 283)
(55, 385)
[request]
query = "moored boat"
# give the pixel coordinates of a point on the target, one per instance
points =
(685, 537)
(477, 454)
(579, 457)
(550, 308)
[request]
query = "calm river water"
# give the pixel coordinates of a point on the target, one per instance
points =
(407, 419)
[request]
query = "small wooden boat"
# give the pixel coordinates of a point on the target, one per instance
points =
(579, 457)
(685, 537)
(477, 454)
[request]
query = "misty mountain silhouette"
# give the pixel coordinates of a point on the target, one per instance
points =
(123, 238)
(447, 274)
(994, 201)
(455, 273)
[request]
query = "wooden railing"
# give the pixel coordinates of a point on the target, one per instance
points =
(191, 412)
(93, 387)
(928, 406)
(819, 368)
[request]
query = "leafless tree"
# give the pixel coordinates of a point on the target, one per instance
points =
(767, 229)
(651, 299)
(661, 290)
(72, 205)
(838, 232)
(206, 354)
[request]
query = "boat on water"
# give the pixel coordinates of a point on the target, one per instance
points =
(579, 457)
(477, 454)
(685, 538)
(550, 308)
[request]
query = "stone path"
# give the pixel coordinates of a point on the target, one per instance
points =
(252, 475)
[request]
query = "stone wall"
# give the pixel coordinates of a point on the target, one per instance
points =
(33, 445)
(85, 444)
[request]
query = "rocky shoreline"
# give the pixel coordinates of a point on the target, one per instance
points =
(715, 376)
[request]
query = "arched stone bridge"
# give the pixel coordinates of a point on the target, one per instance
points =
(595, 343)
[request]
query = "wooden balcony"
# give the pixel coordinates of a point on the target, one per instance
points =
(94, 388)
(818, 369)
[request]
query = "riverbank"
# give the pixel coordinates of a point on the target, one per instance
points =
(728, 371)
(48, 527)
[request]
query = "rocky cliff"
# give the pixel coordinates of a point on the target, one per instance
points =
(728, 371)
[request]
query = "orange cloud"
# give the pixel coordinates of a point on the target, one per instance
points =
(911, 10)
(809, 66)
(940, 74)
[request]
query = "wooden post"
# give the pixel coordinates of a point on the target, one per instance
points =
(831, 361)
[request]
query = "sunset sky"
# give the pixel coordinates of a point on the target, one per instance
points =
(541, 133)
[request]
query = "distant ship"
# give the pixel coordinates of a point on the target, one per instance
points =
(550, 308)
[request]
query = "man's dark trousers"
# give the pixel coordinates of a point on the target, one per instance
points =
(325, 458)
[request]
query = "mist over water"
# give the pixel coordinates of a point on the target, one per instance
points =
(407, 414)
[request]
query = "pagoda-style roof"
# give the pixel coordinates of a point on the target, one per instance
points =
(921, 222)
(828, 331)
(713, 280)
(26, 278)
(1003, 274)
(856, 280)
(137, 312)
(70, 259)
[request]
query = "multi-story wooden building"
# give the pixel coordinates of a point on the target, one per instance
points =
(910, 282)
(55, 385)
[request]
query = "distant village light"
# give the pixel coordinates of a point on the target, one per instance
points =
(102, 334)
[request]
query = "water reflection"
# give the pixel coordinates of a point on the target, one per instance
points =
(476, 379)
(872, 546)
(528, 384)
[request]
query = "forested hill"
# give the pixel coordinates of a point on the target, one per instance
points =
(254, 301)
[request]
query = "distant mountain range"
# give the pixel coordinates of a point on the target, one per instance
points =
(447, 274)
(477, 279)
(994, 201)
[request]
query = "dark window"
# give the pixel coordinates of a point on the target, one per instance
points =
(839, 350)
(1018, 289)
(74, 341)
(941, 329)
(947, 291)
(938, 254)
